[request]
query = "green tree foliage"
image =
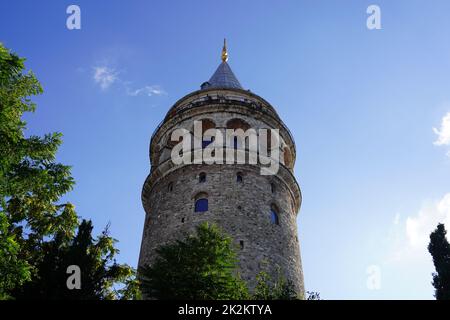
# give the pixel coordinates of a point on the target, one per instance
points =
(440, 251)
(37, 230)
(200, 267)
(203, 267)
(13, 271)
(94, 257)
(29, 179)
(274, 289)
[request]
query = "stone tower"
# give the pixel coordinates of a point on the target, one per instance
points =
(258, 211)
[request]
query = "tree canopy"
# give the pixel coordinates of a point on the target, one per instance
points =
(95, 259)
(439, 248)
(37, 229)
(200, 267)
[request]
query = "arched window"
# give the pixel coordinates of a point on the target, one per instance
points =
(273, 140)
(238, 124)
(202, 177)
(206, 142)
(201, 202)
(272, 187)
(170, 143)
(269, 141)
(274, 219)
(170, 187)
(288, 158)
(239, 178)
(235, 124)
(235, 142)
(201, 205)
(206, 125)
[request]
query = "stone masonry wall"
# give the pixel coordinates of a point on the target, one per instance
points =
(241, 209)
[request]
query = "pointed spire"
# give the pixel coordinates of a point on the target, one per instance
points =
(224, 51)
(224, 76)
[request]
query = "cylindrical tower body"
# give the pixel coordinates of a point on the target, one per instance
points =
(258, 211)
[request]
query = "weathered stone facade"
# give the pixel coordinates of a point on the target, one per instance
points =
(241, 208)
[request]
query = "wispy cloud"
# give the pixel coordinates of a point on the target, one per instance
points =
(419, 227)
(105, 76)
(409, 237)
(443, 133)
(154, 90)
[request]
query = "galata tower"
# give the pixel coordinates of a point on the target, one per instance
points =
(257, 209)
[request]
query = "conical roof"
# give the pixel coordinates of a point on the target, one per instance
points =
(223, 78)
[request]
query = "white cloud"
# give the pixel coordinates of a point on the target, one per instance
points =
(105, 76)
(408, 238)
(443, 133)
(419, 227)
(154, 90)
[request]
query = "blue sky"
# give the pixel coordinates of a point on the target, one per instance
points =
(361, 104)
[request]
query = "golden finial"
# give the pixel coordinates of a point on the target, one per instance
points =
(224, 51)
